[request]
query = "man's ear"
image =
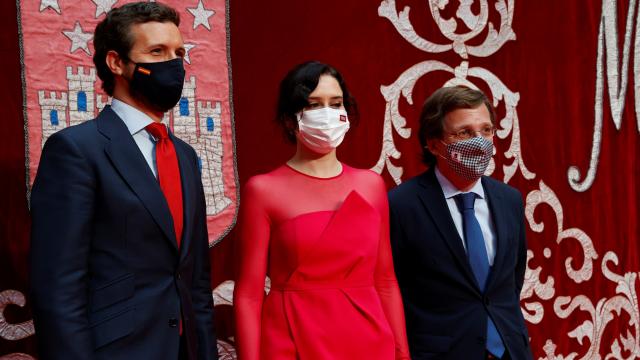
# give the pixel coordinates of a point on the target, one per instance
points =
(432, 145)
(115, 63)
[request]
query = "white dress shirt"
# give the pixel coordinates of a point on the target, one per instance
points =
(481, 209)
(136, 121)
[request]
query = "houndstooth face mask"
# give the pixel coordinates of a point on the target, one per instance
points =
(469, 158)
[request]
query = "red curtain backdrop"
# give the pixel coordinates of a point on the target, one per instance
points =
(564, 87)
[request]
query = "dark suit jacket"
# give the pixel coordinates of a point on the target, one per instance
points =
(107, 278)
(445, 310)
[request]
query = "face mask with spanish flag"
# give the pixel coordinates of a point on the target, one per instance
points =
(159, 83)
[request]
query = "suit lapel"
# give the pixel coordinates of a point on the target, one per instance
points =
(127, 159)
(494, 199)
(434, 202)
(187, 191)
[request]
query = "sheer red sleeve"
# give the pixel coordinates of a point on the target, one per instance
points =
(252, 247)
(386, 283)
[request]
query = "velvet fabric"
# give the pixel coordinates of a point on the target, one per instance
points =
(579, 295)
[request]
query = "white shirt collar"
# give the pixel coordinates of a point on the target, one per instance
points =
(450, 190)
(134, 119)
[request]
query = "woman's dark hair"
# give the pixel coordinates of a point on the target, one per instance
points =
(438, 105)
(114, 33)
(294, 95)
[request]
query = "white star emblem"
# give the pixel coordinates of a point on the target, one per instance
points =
(49, 4)
(187, 48)
(79, 39)
(103, 6)
(201, 16)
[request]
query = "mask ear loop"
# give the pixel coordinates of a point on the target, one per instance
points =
(438, 154)
(124, 58)
(296, 130)
(127, 60)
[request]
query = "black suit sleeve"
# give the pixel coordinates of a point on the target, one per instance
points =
(396, 235)
(521, 265)
(62, 210)
(201, 290)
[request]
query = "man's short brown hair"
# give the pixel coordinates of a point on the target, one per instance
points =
(438, 105)
(114, 33)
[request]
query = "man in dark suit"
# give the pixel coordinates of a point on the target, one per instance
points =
(119, 248)
(458, 239)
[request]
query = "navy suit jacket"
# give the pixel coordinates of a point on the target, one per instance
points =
(446, 313)
(107, 278)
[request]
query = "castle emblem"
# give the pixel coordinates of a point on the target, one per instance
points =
(197, 122)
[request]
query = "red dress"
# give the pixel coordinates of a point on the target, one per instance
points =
(324, 242)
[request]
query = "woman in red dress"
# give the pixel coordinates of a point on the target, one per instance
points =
(319, 229)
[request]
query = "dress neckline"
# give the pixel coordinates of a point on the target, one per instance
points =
(317, 177)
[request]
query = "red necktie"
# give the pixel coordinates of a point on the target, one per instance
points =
(168, 174)
(169, 177)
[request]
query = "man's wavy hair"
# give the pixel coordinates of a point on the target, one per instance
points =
(438, 105)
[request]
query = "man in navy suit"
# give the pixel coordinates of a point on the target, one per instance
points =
(458, 239)
(119, 244)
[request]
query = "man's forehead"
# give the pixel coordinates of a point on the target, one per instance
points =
(479, 114)
(156, 32)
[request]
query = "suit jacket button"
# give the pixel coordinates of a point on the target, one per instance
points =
(487, 302)
(480, 340)
(178, 276)
(173, 322)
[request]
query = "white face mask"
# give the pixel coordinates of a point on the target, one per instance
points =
(322, 130)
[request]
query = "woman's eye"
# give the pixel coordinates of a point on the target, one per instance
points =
(336, 105)
(314, 105)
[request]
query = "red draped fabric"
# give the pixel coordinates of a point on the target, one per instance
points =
(563, 76)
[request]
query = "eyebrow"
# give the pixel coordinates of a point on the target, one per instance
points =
(319, 97)
(163, 46)
(471, 126)
(154, 45)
